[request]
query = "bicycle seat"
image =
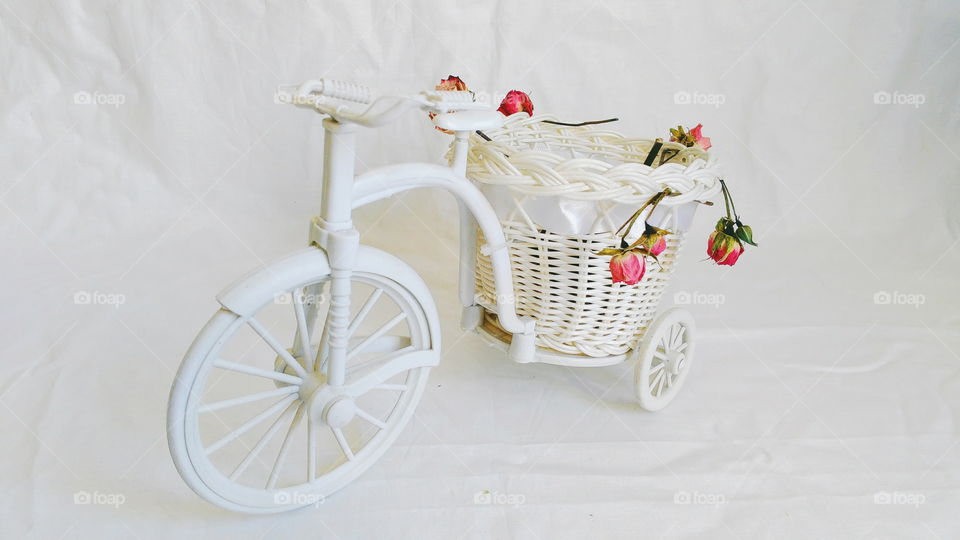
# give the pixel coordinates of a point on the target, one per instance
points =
(469, 120)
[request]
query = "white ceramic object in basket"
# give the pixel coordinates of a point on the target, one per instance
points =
(314, 363)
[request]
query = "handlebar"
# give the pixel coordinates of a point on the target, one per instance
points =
(339, 100)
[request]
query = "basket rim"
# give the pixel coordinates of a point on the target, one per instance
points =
(622, 178)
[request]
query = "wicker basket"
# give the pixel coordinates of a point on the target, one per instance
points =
(533, 169)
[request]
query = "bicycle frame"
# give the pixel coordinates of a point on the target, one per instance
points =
(334, 232)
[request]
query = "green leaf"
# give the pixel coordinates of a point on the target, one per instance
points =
(745, 233)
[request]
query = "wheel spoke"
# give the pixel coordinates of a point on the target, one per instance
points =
(660, 354)
(370, 418)
(311, 452)
(679, 339)
(302, 332)
(364, 311)
(249, 424)
(275, 345)
(669, 380)
(342, 441)
(284, 448)
(250, 370)
(376, 335)
(656, 368)
(681, 347)
(655, 384)
(663, 383)
(217, 405)
(255, 451)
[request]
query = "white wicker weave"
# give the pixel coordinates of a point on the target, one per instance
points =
(557, 278)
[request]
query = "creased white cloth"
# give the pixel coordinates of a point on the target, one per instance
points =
(145, 165)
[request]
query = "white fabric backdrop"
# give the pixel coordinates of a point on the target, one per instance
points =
(808, 398)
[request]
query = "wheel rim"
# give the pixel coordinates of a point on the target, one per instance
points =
(286, 440)
(664, 359)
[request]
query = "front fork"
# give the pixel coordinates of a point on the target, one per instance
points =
(333, 231)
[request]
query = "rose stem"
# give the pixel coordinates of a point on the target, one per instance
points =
(581, 124)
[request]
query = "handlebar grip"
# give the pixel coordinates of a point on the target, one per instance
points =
(337, 89)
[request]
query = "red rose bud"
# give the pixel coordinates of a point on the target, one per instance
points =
(723, 248)
(516, 101)
(452, 83)
(628, 267)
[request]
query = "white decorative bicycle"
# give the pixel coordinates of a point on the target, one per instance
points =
(315, 362)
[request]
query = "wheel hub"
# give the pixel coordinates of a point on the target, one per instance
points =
(326, 406)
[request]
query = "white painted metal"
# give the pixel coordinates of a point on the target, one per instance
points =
(314, 379)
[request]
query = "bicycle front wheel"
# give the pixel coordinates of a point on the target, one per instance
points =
(252, 424)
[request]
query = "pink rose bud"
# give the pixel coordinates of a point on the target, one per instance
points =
(658, 246)
(723, 248)
(702, 142)
(628, 267)
(452, 83)
(516, 101)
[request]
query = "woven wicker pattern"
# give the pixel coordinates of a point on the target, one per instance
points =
(558, 281)
(537, 158)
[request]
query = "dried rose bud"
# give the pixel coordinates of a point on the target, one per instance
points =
(724, 248)
(514, 102)
(452, 83)
(658, 246)
(628, 267)
(653, 239)
(699, 139)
